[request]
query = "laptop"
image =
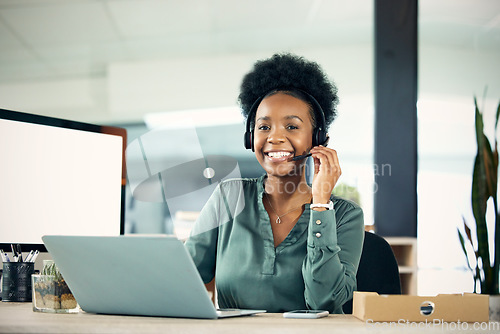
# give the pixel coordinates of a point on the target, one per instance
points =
(134, 275)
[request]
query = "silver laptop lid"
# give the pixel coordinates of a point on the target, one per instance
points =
(135, 275)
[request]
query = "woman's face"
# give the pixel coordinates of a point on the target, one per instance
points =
(283, 130)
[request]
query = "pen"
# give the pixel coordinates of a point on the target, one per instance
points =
(3, 256)
(33, 258)
(6, 257)
(28, 258)
(20, 253)
(14, 252)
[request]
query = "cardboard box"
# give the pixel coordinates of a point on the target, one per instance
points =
(468, 307)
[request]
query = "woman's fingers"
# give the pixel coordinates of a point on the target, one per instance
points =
(326, 159)
(327, 171)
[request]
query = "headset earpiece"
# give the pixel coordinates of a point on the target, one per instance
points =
(248, 137)
(320, 137)
(327, 140)
(249, 140)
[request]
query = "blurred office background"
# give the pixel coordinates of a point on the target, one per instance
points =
(148, 64)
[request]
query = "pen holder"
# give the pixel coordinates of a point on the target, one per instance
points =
(16, 281)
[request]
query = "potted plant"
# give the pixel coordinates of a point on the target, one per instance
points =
(485, 267)
(50, 291)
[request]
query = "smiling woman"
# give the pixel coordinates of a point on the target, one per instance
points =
(283, 129)
(280, 243)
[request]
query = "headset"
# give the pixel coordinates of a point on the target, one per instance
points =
(320, 136)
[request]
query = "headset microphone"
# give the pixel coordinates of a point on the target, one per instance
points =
(300, 157)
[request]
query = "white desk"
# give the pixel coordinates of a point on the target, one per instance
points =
(19, 318)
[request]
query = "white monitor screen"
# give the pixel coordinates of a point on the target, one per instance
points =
(59, 177)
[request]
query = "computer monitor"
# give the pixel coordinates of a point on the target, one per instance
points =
(59, 177)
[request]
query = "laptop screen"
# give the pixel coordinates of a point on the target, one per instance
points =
(59, 177)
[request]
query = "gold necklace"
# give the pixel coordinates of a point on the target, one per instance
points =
(278, 220)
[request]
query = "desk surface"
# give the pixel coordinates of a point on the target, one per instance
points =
(19, 318)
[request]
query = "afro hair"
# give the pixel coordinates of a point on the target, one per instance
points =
(288, 72)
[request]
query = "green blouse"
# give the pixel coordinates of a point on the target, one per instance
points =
(313, 268)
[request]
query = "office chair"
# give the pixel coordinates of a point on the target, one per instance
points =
(378, 269)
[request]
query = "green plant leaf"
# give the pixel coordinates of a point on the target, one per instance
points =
(479, 125)
(496, 117)
(495, 170)
(468, 232)
(475, 271)
(490, 169)
(484, 186)
(462, 243)
(481, 190)
(496, 256)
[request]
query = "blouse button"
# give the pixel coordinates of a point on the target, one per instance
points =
(318, 235)
(318, 222)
